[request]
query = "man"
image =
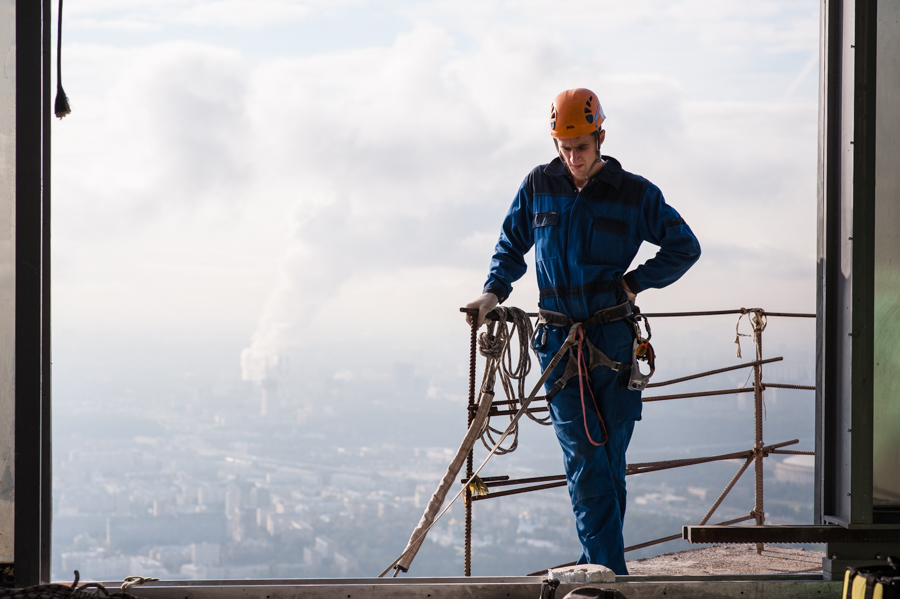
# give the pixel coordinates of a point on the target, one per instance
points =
(586, 218)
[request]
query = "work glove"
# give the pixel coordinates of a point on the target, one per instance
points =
(628, 293)
(485, 304)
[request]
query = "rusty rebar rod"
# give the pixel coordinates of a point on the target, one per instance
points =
(714, 313)
(793, 452)
(712, 372)
(786, 386)
(702, 313)
(511, 412)
(697, 394)
(522, 490)
(645, 399)
(509, 402)
(726, 490)
(758, 324)
(653, 542)
(666, 465)
(726, 312)
(473, 356)
(559, 480)
(525, 481)
(679, 535)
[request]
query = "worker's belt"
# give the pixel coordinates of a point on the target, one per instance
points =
(592, 288)
(641, 348)
(604, 316)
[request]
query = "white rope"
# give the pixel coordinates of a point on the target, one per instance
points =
(416, 542)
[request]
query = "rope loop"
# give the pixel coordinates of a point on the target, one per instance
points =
(496, 345)
(758, 321)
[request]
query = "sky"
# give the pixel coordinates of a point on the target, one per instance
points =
(244, 180)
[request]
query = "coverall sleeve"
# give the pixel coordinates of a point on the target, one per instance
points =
(516, 238)
(679, 249)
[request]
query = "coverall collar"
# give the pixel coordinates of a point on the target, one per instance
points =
(611, 173)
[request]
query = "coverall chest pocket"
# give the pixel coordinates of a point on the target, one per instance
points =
(606, 241)
(546, 235)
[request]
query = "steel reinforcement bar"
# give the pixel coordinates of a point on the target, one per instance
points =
(539, 410)
(559, 480)
(679, 535)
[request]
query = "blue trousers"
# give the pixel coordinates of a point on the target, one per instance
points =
(595, 474)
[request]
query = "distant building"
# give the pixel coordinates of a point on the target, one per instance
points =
(95, 565)
(169, 530)
(325, 547)
(344, 564)
(796, 469)
(311, 558)
(206, 554)
(289, 527)
(195, 572)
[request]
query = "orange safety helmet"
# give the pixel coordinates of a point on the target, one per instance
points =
(574, 113)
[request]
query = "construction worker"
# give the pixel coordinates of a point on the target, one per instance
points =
(586, 217)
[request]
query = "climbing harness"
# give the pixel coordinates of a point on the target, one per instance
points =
(641, 351)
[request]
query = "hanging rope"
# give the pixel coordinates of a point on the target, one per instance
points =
(61, 105)
(582, 375)
(88, 590)
(496, 344)
(758, 321)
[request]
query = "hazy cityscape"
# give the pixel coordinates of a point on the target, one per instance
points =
(238, 480)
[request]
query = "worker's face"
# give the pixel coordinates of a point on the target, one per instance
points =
(580, 153)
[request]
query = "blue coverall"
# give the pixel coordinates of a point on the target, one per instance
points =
(584, 242)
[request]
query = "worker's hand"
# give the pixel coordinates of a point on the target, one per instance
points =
(628, 293)
(485, 304)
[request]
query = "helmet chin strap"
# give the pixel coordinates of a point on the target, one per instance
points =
(594, 163)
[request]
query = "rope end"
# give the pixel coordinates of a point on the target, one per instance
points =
(61, 106)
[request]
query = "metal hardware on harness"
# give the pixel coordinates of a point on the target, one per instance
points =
(641, 351)
(596, 358)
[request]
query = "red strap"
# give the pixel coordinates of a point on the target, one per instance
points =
(579, 335)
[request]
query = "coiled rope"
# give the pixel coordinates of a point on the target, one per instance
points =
(496, 344)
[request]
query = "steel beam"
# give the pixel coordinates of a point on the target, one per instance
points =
(789, 534)
(524, 587)
(46, 357)
(28, 427)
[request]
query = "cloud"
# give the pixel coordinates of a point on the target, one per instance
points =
(168, 129)
(155, 14)
(344, 204)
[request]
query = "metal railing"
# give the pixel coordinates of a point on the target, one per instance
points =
(755, 455)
